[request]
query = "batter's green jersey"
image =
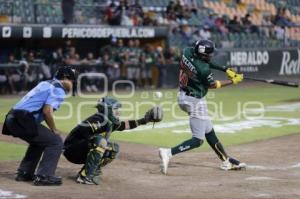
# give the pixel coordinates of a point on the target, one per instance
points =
(195, 76)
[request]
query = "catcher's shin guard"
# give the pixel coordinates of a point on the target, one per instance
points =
(92, 165)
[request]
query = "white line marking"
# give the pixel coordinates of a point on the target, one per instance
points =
(269, 168)
(263, 195)
(10, 194)
(260, 178)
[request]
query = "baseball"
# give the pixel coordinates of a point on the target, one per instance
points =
(158, 94)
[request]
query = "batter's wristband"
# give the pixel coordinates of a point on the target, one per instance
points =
(218, 84)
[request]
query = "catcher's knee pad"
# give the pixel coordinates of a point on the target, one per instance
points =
(99, 143)
(110, 154)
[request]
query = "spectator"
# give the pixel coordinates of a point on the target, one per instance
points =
(110, 48)
(148, 60)
(171, 55)
(205, 33)
(133, 71)
(159, 69)
(247, 24)
(89, 60)
(281, 19)
(111, 67)
(56, 59)
(121, 13)
(221, 24)
(3, 81)
(67, 47)
(14, 75)
(148, 20)
(121, 57)
(137, 8)
(68, 11)
(234, 25)
(280, 33)
(171, 13)
(90, 83)
(266, 25)
(110, 16)
(209, 21)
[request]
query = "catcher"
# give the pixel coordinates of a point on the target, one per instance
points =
(88, 143)
(195, 79)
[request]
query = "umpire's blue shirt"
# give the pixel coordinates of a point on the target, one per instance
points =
(46, 92)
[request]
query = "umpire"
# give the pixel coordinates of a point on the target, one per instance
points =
(24, 121)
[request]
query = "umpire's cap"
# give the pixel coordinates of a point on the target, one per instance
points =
(65, 72)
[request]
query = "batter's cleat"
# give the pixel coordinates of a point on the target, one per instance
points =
(43, 180)
(232, 164)
(165, 155)
(24, 176)
(85, 180)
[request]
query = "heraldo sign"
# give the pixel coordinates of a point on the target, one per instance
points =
(263, 62)
(79, 32)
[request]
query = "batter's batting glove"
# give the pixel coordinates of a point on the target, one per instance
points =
(237, 78)
(230, 73)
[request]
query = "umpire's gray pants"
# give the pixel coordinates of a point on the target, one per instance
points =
(200, 122)
(47, 145)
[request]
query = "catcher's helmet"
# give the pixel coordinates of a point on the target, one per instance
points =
(203, 49)
(65, 72)
(106, 105)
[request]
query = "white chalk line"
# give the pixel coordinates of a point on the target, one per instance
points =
(260, 178)
(10, 194)
(272, 168)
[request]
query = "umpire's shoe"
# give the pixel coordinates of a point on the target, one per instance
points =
(24, 176)
(43, 180)
(232, 164)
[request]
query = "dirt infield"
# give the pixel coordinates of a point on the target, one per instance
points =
(274, 172)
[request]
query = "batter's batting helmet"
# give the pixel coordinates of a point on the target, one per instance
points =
(203, 49)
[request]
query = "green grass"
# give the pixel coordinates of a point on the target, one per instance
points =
(228, 101)
(10, 151)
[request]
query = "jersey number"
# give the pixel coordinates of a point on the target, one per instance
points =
(183, 78)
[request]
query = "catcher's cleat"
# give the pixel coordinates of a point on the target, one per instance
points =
(164, 155)
(232, 164)
(85, 180)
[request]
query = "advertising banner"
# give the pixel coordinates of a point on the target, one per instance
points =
(79, 32)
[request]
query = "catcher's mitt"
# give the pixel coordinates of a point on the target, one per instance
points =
(155, 114)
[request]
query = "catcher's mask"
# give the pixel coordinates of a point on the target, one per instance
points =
(109, 107)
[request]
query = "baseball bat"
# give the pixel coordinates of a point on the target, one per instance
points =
(277, 82)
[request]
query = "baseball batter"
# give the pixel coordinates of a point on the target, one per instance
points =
(195, 79)
(89, 144)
